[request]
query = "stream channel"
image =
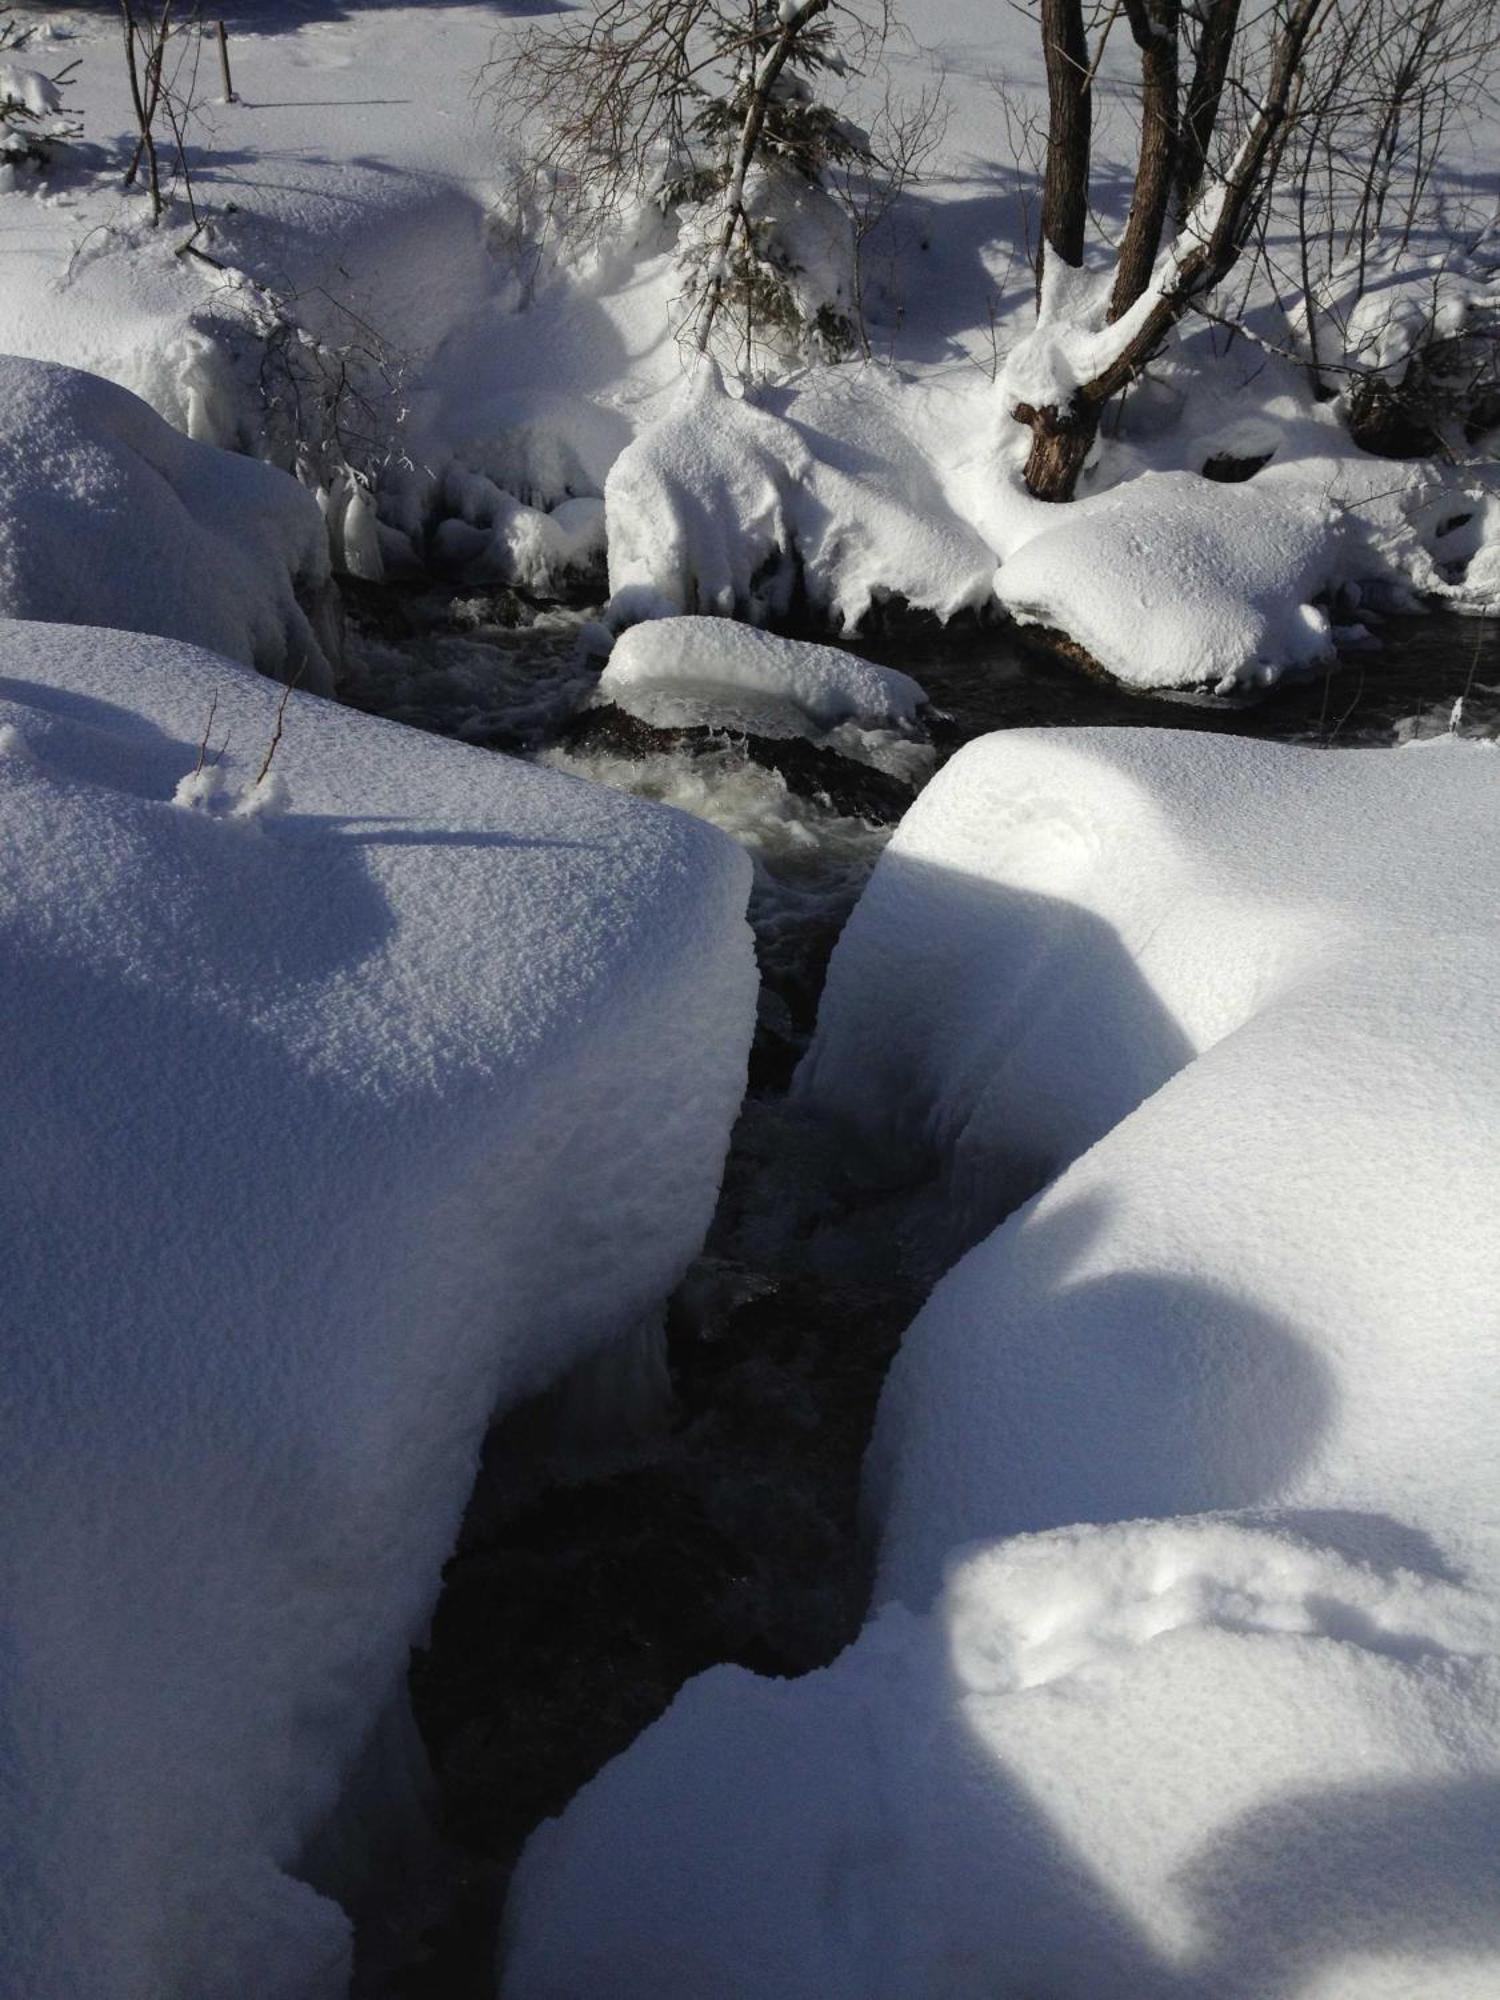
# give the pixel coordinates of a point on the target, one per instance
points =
(586, 1589)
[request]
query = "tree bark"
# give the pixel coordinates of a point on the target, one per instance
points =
(1061, 441)
(1205, 92)
(1065, 183)
(1154, 25)
(1061, 438)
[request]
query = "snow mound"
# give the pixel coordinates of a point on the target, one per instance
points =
(111, 517)
(1176, 581)
(494, 537)
(1243, 1292)
(682, 672)
(340, 1110)
(1189, 1675)
(1174, 1761)
(725, 508)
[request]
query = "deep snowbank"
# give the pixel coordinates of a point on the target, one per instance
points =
(726, 508)
(336, 1113)
(1261, 1286)
(1248, 1746)
(110, 517)
(1159, 1761)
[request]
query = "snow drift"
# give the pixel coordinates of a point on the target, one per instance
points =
(339, 1110)
(1158, 1761)
(725, 508)
(111, 517)
(1173, 581)
(1188, 1676)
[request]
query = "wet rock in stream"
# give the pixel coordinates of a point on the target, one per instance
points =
(812, 770)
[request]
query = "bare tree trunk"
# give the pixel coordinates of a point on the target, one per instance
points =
(1065, 183)
(1061, 441)
(1198, 262)
(1201, 110)
(146, 99)
(1154, 25)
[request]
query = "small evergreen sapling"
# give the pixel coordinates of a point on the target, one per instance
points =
(710, 111)
(767, 246)
(33, 119)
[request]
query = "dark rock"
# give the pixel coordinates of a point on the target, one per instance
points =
(811, 770)
(1230, 470)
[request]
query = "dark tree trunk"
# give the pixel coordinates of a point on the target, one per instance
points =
(1065, 186)
(1201, 111)
(1154, 25)
(1061, 438)
(1061, 441)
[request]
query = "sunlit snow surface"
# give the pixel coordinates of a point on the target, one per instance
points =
(343, 1105)
(111, 517)
(1239, 1732)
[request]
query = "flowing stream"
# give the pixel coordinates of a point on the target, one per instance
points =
(583, 1593)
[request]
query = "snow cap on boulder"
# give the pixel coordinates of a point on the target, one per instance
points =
(110, 517)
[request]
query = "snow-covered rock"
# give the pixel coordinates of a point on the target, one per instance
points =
(492, 536)
(1243, 989)
(723, 507)
(108, 516)
(675, 673)
(1174, 581)
(1236, 1734)
(339, 1110)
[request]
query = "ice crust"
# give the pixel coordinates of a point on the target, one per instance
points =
(1184, 1678)
(329, 1128)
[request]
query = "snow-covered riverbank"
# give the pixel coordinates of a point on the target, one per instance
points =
(377, 1110)
(345, 294)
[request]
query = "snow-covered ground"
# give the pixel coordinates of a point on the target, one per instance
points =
(360, 1084)
(1237, 1733)
(112, 518)
(342, 1106)
(357, 298)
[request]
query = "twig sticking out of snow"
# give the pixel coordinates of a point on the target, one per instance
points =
(286, 695)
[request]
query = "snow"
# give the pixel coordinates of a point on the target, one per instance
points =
(111, 517)
(329, 1129)
(1117, 949)
(490, 536)
(682, 672)
(354, 1099)
(1170, 1761)
(361, 297)
(28, 88)
(1185, 1671)
(725, 508)
(1174, 581)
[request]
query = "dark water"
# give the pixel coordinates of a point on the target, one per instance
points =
(573, 1611)
(1403, 682)
(494, 670)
